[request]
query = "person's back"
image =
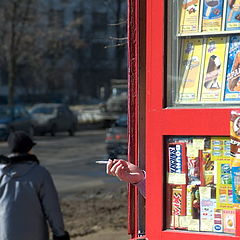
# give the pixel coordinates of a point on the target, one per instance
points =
(28, 199)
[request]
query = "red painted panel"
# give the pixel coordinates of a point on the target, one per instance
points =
(154, 102)
(173, 235)
(194, 122)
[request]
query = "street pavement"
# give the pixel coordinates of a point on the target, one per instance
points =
(71, 160)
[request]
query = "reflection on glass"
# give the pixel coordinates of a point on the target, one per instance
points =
(203, 53)
(200, 185)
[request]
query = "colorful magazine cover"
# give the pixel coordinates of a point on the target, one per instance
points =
(212, 84)
(233, 15)
(212, 15)
(189, 18)
(232, 85)
(224, 196)
(190, 69)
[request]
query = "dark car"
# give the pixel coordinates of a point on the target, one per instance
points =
(116, 138)
(52, 118)
(14, 118)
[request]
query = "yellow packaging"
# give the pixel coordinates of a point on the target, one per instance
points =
(190, 198)
(224, 196)
(220, 148)
(213, 82)
(191, 59)
(189, 18)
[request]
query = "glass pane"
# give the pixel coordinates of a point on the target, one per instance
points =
(203, 53)
(199, 184)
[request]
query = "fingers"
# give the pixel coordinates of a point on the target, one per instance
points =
(109, 166)
(115, 165)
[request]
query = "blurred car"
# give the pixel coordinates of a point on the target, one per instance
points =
(52, 118)
(14, 118)
(116, 138)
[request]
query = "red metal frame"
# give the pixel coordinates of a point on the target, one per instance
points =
(161, 122)
(133, 110)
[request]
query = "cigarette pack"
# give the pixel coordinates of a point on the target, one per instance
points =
(235, 138)
(232, 84)
(212, 83)
(212, 15)
(218, 221)
(233, 15)
(229, 221)
(189, 19)
(190, 70)
(207, 207)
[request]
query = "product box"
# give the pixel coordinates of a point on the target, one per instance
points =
(193, 171)
(236, 184)
(229, 221)
(189, 18)
(232, 21)
(224, 194)
(232, 84)
(178, 206)
(208, 168)
(207, 207)
(190, 69)
(177, 158)
(220, 148)
(193, 201)
(213, 74)
(176, 201)
(218, 221)
(235, 138)
(212, 15)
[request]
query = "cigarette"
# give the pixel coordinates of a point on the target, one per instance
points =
(102, 162)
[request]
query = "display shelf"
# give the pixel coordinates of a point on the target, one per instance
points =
(208, 33)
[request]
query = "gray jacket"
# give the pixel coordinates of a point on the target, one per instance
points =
(28, 200)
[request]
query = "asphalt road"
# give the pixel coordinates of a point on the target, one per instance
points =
(71, 161)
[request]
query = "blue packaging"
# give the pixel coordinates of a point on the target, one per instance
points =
(232, 84)
(233, 15)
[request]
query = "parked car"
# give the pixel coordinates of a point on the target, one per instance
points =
(116, 138)
(14, 118)
(52, 118)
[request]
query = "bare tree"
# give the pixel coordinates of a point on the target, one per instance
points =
(29, 42)
(119, 24)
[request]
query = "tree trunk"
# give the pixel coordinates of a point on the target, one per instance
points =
(11, 81)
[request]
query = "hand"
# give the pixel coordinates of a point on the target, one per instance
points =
(125, 171)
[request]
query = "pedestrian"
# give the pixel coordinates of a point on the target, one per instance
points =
(28, 197)
(127, 172)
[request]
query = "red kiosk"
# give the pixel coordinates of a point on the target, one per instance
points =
(182, 56)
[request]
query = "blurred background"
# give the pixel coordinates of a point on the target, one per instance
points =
(63, 79)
